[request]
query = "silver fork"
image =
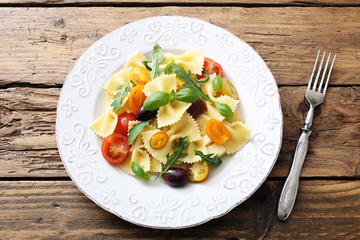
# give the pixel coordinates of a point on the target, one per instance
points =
(315, 95)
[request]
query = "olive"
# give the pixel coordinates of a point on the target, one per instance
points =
(144, 114)
(176, 177)
(196, 108)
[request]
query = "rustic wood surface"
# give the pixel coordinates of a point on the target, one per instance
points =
(40, 40)
(40, 51)
(56, 209)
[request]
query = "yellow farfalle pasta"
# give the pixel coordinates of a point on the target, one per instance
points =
(237, 118)
(117, 79)
(105, 124)
(201, 122)
(239, 136)
(191, 60)
(191, 157)
(164, 83)
(155, 165)
(108, 99)
(168, 58)
(171, 113)
(212, 112)
(138, 155)
(186, 126)
(135, 60)
(216, 149)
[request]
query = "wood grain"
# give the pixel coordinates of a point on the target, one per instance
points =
(184, 2)
(58, 210)
(42, 44)
(28, 145)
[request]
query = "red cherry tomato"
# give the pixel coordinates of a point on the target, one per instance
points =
(211, 67)
(114, 148)
(123, 123)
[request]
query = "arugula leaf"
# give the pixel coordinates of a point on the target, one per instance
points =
(224, 110)
(146, 64)
(156, 59)
(118, 98)
(189, 82)
(171, 161)
(209, 158)
(139, 171)
(136, 129)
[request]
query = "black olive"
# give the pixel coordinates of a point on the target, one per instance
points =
(144, 115)
(196, 108)
(176, 177)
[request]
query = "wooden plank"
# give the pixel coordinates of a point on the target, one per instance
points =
(58, 210)
(28, 146)
(205, 2)
(40, 45)
(335, 133)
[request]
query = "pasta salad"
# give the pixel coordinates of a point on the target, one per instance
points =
(172, 116)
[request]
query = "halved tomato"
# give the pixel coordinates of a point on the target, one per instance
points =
(197, 171)
(211, 67)
(123, 123)
(140, 75)
(228, 89)
(136, 98)
(217, 131)
(114, 148)
(159, 140)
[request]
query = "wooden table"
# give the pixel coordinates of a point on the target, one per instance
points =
(40, 41)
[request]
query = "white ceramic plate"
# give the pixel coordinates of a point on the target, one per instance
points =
(155, 204)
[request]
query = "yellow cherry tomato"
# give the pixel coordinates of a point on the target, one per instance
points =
(228, 89)
(197, 172)
(140, 75)
(159, 140)
(136, 98)
(217, 131)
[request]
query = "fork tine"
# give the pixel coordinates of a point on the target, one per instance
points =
(319, 70)
(324, 72)
(328, 77)
(313, 71)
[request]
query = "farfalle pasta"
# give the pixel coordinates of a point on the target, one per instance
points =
(172, 112)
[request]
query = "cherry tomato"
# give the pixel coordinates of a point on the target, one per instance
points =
(136, 98)
(114, 148)
(159, 140)
(197, 171)
(228, 89)
(217, 131)
(211, 67)
(140, 75)
(123, 123)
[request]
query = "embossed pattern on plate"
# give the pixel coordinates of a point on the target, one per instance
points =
(155, 204)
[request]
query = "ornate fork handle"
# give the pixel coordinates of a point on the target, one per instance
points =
(315, 95)
(290, 189)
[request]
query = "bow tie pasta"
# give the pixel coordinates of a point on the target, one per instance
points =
(172, 115)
